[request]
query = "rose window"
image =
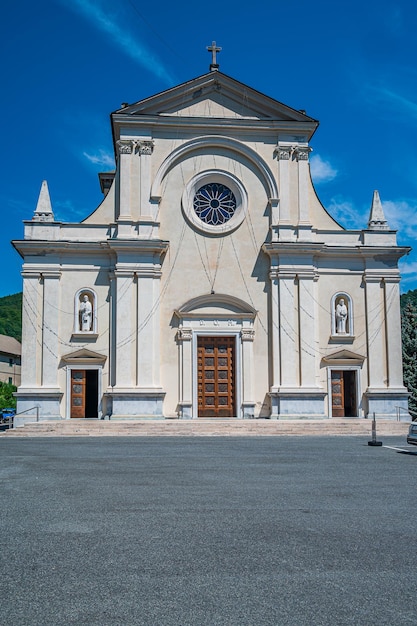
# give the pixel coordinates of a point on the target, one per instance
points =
(214, 204)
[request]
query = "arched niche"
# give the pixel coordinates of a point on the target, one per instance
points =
(341, 311)
(85, 312)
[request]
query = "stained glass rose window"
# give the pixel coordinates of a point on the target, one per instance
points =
(214, 204)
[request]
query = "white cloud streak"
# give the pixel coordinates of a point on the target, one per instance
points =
(103, 20)
(347, 214)
(395, 100)
(321, 170)
(101, 158)
(64, 210)
(402, 216)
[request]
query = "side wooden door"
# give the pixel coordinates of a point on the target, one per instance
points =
(338, 393)
(78, 389)
(216, 377)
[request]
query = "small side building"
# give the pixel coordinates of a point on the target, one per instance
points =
(10, 360)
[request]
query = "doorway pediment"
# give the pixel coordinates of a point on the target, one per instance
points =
(84, 357)
(214, 304)
(343, 357)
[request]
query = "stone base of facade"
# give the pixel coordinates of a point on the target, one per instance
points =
(387, 404)
(138, 404)
(37, 404)
(185, 411)
(296, 404)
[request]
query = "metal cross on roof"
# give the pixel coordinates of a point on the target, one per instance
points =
(214, 50)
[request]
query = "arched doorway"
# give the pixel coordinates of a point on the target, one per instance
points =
(215, 338)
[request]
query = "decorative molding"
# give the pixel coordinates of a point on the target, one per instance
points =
(237, 307)
(247, 334)
(125, 146)
(302, 153)
(283, 152)
(214, 141)
(280, 273)
(185, 334)
(144, 147)
(141, 147)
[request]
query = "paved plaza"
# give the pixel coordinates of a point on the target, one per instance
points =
(241, 531)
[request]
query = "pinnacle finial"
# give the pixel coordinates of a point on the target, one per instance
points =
(43, 211)
(377, 219)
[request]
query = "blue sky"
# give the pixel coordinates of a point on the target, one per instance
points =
(67, 64)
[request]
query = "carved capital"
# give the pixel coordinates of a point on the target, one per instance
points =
(124, 146)
(283, 153)
(144, 147)
(247, 334)
(185, 334)
(302, 153)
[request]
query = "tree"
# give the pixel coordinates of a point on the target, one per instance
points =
(11, 316)
(409, 340)
(7, 400)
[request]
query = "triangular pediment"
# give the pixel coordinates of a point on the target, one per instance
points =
(84, 356)
(344, 357)
(215, 95)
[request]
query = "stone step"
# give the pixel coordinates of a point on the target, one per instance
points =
(206, 427)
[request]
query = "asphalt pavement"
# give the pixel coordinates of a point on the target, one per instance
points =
(207, 531)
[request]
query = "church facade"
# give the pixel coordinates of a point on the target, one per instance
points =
(210, 282)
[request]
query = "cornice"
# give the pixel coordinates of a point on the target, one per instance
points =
(219, 123)
(44, 249)
(137, 245)
(301, 248)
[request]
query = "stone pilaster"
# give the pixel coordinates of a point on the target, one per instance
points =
(304, 223)
(248, 403)
(113, 329)
(126, 149)
(276, 346)
(148, 365)
(125, 159)
(393, 331)
(386, 396)
(307, 329)
(126, 320)
(31, 330)
(140, 171)
(288, 325)
(50, 328)
(184, 338)
(282, 222)
(375, 313)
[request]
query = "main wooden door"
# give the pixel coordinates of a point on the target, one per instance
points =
(78, 385)
(343, 393)
(216, 377)
(84, 393)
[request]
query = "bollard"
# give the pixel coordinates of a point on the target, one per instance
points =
(373, 441)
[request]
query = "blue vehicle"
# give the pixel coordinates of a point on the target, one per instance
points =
(412, 434)
(7, 415)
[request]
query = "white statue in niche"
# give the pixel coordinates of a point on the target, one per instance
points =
(86, 313)
(341, 317)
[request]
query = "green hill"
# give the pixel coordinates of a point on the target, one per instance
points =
(410, 296)
(11, 316)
